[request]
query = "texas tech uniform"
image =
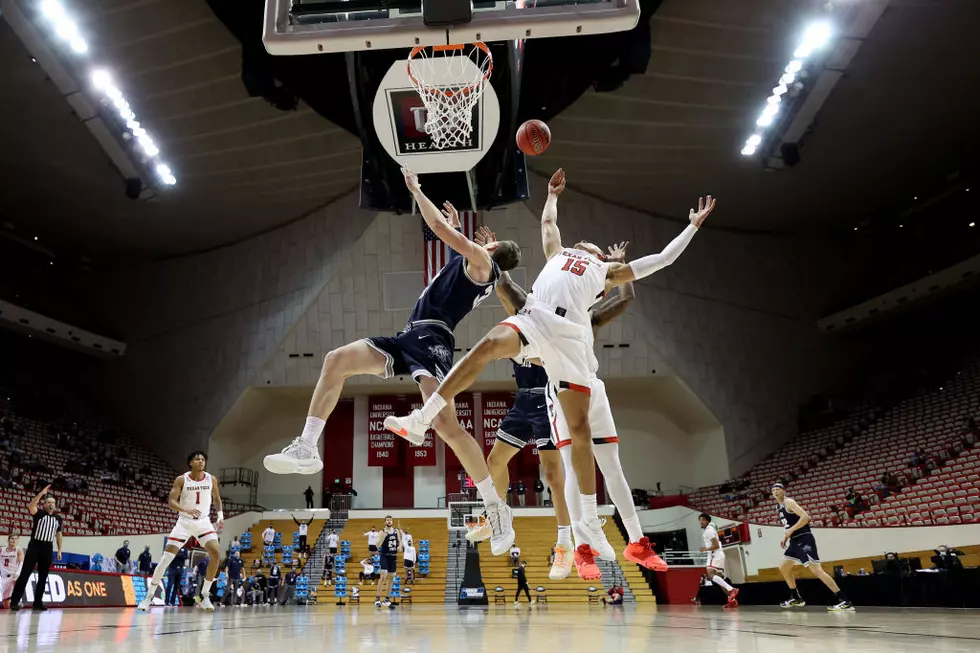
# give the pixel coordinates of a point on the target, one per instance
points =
(527, 420)
(196, 495)
(601, 422)
(9, 570)
(425, 346)
(555, 324)
(716, 559)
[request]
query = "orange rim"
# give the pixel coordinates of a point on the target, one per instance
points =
(445, 48)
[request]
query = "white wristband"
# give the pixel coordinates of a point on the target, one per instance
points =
(221, 516)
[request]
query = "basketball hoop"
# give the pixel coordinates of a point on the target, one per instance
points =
(450, 80)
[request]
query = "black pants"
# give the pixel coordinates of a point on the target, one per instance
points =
(527, 591)
(309, 503)
(302, 543)
(38, 554)
(173, 586)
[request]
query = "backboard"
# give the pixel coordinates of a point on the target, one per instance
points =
(294, 27)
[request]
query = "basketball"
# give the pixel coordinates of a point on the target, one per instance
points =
(533, 137)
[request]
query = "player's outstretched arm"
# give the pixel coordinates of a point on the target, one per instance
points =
(619, 273)
(441, 223)
(614, 306)
(550, 235)
(32, 506)
(511, 295)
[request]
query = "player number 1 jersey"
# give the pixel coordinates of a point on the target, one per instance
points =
(573, 279)
(196, 495)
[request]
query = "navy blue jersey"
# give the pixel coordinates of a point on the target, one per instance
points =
(451, 294)
(789, 520)
(530, 376)
(389, 545)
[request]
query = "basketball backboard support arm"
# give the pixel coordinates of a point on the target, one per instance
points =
(295, 27)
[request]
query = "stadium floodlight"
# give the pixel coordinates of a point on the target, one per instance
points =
(101, 79)
(748, 150)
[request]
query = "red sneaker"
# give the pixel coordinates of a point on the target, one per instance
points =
(642, 553)
(732, 603)
(585, 564)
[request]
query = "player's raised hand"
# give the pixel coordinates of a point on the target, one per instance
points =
(411, 180)
(452, 216)
(483, 236)
(557, 183)
(617, 253)
(704, 210)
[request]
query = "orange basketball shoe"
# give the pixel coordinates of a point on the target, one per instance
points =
(642, 553)
(585, 563)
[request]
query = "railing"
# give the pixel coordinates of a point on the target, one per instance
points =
(239, 476)
(686, 558)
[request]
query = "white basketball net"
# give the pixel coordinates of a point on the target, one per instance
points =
(450, 80)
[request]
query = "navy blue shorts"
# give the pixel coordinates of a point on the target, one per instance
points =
(527, 421)
(802, 549)
(422, 350)
(388, 563)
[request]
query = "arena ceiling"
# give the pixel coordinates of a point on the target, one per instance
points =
(903, 116)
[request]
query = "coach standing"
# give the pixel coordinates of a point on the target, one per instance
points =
(45, 531)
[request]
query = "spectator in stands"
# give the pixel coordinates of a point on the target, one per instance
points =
(303, 528)
(539, 492)
(289, 593)
(409, 555)
(234, 567)
(308, 494)
(333, 540)
(175, 573)
(862, 572)
(367, 571)
(122, 558)
(146, 561)
(269, 535)
(327, 577)
(256, 565)
(235, 546)
(521, 492)
(256, 589)
(515, 555)
(372, 539)
(275, 575)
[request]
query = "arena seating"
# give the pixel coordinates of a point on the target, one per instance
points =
(104, 509)
(285, 547)
(427, 589)
(934, 422)
(535, 537)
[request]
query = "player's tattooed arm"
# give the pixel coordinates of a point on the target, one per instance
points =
(550, 235)
(511, 295)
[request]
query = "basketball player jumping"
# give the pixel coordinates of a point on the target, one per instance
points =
(191, 498)
(802, 550)
(11, 559)
(715, 566)
(388, 567)
(424, 349)
(555, 326)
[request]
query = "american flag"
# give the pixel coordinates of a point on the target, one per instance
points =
(436, 252)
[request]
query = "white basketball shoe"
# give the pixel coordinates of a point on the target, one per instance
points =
(297, 458)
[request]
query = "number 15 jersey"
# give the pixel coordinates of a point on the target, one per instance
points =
(572, 280)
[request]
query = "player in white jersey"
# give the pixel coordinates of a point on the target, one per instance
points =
(11, 560)
(715, 565)
(555, 327)
(191, 498)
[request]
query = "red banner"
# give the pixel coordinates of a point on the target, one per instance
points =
(495, 407)
(425, 455)
(464, 412)
(384, 447)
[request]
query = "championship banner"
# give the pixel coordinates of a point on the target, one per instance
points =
(464, 412)
(425, 455)
(88, 589)
(495, 407)
(383, 445)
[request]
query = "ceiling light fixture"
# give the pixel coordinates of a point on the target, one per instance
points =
(814, 38)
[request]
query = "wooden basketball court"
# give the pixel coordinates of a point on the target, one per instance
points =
(425, 628)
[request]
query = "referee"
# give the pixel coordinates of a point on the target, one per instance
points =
(45, 531)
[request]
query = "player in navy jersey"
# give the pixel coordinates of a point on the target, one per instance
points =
(390, 545)
(424, 350)
(801, 549)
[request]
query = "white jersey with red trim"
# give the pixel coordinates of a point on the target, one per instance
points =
(9, 564)
(573, 280)
(196, 495)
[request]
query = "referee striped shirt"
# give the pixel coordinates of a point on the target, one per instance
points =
(45, 527)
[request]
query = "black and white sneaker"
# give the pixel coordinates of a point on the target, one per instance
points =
(793, 602)
(843, 606)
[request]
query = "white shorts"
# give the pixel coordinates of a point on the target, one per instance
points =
(563, 345)
(7, 582)
(185, 528)
(601, 421)
(716, 560)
